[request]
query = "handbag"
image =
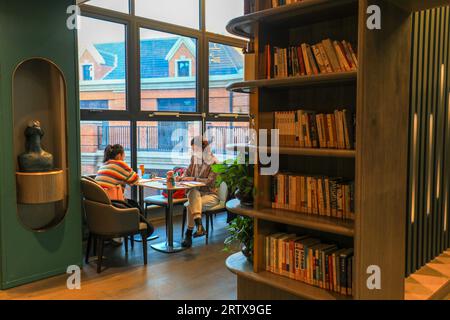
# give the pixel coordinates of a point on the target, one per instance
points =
(179, 194)
(115, 193)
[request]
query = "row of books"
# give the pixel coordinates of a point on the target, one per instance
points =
(326, 56)
(308, 129)
(306, 259)
(319, 195)
(279, 3)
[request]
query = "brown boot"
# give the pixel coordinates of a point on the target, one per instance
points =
(187, 241)
(200, 230)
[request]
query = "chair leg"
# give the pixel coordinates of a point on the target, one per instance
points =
(144, 247)
(88, 248)
(132, 242)
(212, 222)
(125, 241)
(207, 227)
(100, 254)
(94, 245)
(183, 223)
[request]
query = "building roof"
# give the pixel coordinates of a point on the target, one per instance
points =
(224, 60)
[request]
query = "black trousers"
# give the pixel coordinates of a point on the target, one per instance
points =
(129, 203)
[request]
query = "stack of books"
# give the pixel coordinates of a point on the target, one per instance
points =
(324, 57)
(306, 129)
(279, 3)
(306, 259)
(318, 195)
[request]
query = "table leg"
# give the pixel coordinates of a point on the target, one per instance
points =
(169, 246)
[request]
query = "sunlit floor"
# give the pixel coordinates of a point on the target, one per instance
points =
(431, 281)
(197, 273)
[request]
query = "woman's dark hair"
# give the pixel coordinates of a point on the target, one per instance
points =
(199, 140)
(111, 152)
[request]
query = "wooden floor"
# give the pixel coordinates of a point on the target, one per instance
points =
(431, 282)
(198, 273)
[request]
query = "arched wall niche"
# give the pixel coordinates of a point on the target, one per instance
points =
(39, 93)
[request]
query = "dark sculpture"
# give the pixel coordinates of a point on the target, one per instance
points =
(35, 159)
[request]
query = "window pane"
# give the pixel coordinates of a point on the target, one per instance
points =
(181, 12)
(221, 134)
(95, 136)
(219, 13)
(101, 52)
(226, 65)
(164, 145)
(116, 5)
(168, 72)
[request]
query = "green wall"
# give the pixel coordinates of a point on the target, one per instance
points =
(37, 29)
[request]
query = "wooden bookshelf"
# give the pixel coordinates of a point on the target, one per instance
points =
(299, 81)
(296, 14)
(300, 219)
(378, 93)
(239, 265)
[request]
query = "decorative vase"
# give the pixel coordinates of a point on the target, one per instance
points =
(247, 253)
(246, 199)
(35, 159)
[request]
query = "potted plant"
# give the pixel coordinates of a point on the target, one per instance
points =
(239, 179)
(241, 233)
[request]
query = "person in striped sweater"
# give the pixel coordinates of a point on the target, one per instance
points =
(115, 172)
(114, 175)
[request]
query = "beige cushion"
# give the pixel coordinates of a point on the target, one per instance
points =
(160, 200)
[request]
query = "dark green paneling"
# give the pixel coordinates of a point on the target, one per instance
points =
(37, 29)
(429, 138)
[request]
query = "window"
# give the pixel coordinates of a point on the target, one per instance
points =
(180, 12)
(226, 65)
(95, 136)
(101, 46)
(183, 68)
(88, 72)
(115, 5)
(167, 69)
(175, 97)
(220, 12)
(223, 134)
(94, 104)
(181, 104)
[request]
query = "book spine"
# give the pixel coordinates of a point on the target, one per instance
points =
(343, 274)
(318, 59)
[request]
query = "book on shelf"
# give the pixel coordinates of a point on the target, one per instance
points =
(307, 259)
(308, 129)
(324, 57)
(317, 195)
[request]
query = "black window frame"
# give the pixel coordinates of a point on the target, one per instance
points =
(133, 112)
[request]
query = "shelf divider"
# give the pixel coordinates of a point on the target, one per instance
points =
(304, 220)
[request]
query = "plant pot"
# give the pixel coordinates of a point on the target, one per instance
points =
(246, 199)
(247, 253)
